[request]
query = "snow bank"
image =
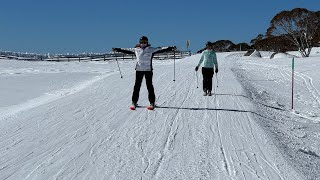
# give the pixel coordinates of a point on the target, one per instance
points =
(266, 54)
(281, 56)
(256, 54)
(315, 51)
(269, 82)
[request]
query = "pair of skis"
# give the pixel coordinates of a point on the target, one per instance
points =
(207, 94)
(135, 107)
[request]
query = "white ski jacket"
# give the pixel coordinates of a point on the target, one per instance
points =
(144, 56)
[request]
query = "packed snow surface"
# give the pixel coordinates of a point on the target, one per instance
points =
(71, 120)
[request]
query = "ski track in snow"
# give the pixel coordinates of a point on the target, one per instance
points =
(88, 132)
(302, 82)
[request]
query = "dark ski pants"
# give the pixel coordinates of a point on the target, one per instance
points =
(136, 90)
(207, 74)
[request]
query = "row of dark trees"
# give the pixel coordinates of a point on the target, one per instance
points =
(227, 46)
(295, 30)
(298, 29)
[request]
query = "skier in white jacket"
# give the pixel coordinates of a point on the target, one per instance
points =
(144, 54)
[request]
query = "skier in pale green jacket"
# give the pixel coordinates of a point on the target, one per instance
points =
(210, 65)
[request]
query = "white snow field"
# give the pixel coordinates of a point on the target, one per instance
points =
(70, 120)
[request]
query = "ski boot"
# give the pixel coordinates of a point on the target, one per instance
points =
(205, 93)
(133, 106)
(151, 106)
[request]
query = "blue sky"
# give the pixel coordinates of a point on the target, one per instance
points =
(76, 26)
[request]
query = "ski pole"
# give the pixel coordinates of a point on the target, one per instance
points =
(217, 79)
(174, 65)
(197, 79)
(119, 68)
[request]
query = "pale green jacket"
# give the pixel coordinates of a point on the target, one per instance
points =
(209, 59)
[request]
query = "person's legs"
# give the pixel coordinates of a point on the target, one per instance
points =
(209, 76)
(148, 76)
(206, 79)
(137, 85)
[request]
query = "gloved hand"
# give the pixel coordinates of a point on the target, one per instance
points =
(216, 70)
(197, 67)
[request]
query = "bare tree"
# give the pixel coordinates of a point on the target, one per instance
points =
(258, 38)
(316, 38)
(275, 43)
(298, 25)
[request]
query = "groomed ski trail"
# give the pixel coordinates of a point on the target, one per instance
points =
(92, 134)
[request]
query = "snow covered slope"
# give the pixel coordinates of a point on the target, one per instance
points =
(268, 83)
(81, 128)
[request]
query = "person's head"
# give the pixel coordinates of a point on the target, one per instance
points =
(209, 46)
(143, 41)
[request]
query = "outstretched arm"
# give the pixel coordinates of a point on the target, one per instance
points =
(122, 51)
